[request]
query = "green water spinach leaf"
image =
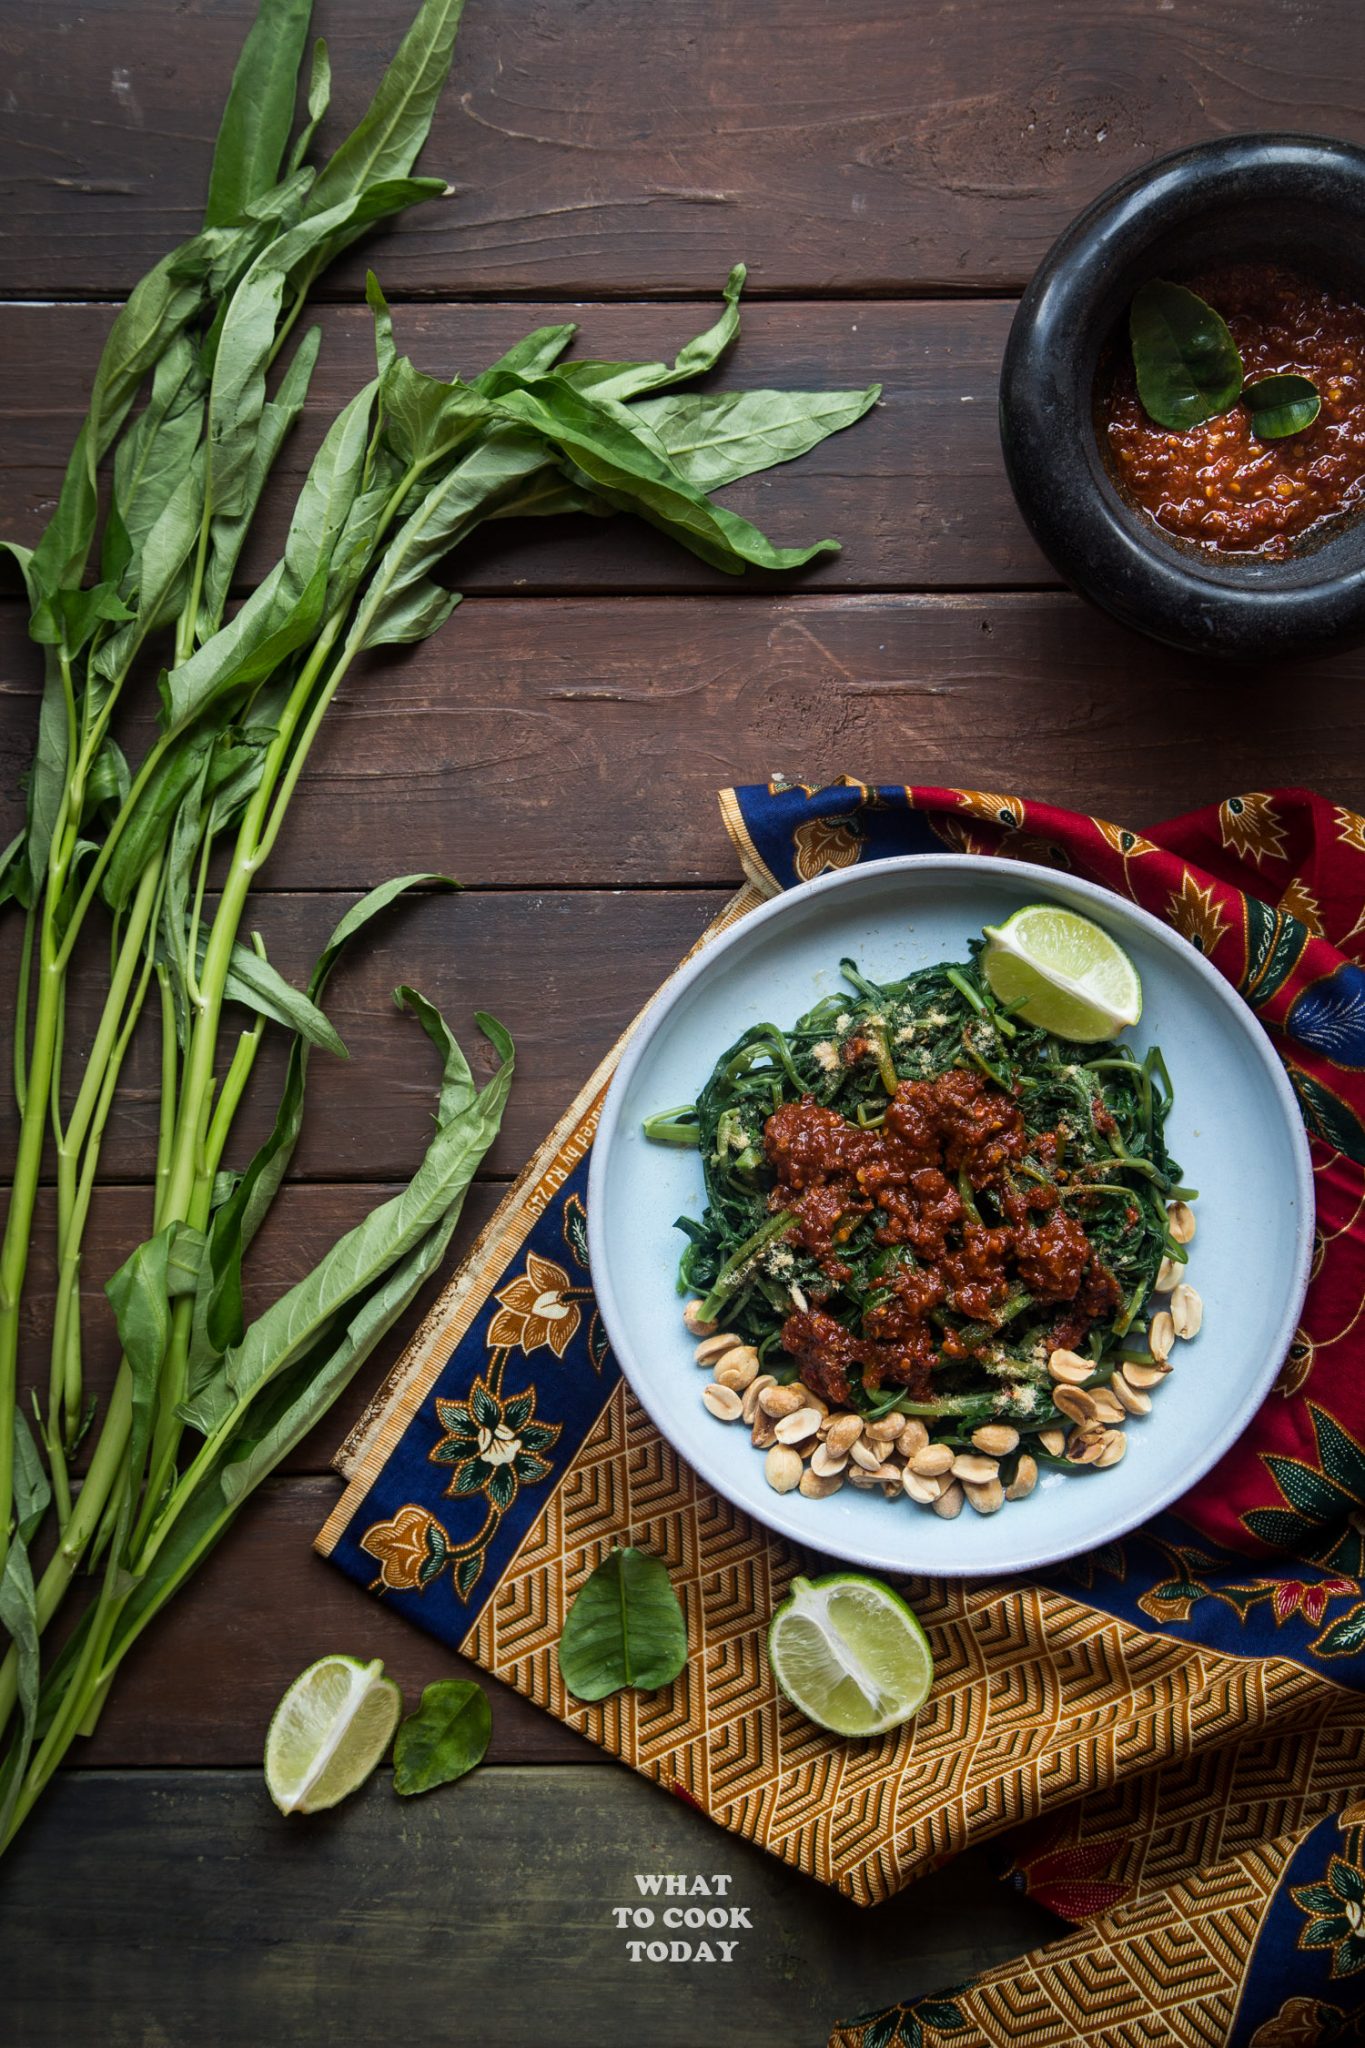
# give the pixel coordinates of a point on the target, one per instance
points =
(237, 394)
(319, 99)
(599, 441)
(387, 140)
(1282, 405)
(403, 603)
(158, 309)
(335, 478)
(140, 1294)
(154, 454)
(237, 1218)
(14, 870)
(160, 573)
(108, 781)
(19, 1608)
(57, 563)
(622, 381)
(625, 1627)
(231, 770)
(228, 531)
(47, 779)
(715, 438)
(1188, 365)
(253, 982)
(446, 1736)
(254, 132)
(151, 819)
(382, 1242)
(19, 1619)
(283, 1375)
(285, 609)
(312, 1342)
(532, 355)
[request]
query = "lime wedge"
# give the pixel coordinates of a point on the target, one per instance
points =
(849, 1653)
(1063, 973)
(328, 1733)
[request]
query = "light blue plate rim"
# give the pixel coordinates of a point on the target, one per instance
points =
(778, 1515)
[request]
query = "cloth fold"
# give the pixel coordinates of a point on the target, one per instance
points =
(1173, 1727)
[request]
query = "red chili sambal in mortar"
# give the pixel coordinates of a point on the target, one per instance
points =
(1219, 485)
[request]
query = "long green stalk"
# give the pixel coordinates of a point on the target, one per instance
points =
(409, 468)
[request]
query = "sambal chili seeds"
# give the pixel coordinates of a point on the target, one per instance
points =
(1221, 485)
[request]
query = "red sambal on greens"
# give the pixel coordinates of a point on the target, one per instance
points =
(942, 1145)
(914, 1199)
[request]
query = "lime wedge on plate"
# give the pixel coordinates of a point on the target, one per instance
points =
(849, 1653)
(328, 1733)
(1063, 973)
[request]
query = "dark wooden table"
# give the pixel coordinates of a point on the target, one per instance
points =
(891, 171)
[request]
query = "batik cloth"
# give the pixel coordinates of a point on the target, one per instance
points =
(1169, 1734)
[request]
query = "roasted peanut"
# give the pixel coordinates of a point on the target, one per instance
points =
(782, 1468)
(1187, 1311)
(996, 1439)
(796, 1427)
(723, 1402)
(987, 1498)
(933, 1461)
(974, 1470)
(737, 1368)
(1161, 1335)
(912, 1438)
(844, 1431)
(1180, 1221)
(925, 1491)
(1024, 1480)
(752, 1393)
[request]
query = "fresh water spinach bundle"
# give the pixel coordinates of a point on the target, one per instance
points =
(197, 390)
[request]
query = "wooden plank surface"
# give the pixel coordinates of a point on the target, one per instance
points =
(622, 147)
(565, 970)
(916, 492)
(364, 1925)
(892, 174)
(582, 740)
(201, 1687)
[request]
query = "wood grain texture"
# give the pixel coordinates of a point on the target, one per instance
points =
(365, 1924)
(565, 971)
(916, 491)
(621, 147)
(583, 739)
(303, 1225)
(200, 1688)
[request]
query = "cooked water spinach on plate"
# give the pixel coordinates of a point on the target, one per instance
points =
(942, 1247)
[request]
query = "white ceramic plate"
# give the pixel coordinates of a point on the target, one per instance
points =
(1235, 1130)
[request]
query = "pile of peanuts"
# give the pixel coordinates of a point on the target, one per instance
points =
(815, 1449)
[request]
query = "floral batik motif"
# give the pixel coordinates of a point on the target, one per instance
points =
(1164, 1737)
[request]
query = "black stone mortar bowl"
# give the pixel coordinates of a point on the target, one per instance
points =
(1292, 199)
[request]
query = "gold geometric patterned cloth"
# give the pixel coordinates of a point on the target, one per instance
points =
(1167, 1784)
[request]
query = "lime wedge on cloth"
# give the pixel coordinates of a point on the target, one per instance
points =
(1063, 973)
(328, 1733)
(849, 1653)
